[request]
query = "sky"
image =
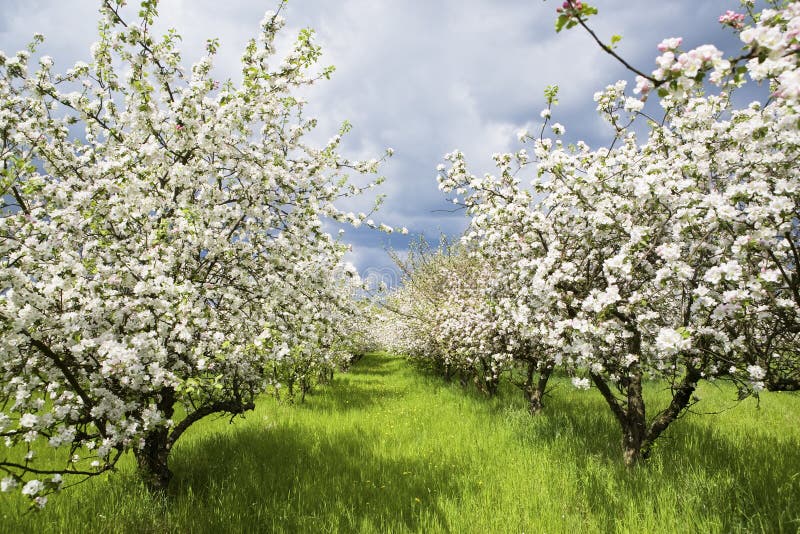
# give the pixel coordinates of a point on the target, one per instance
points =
(422, 77)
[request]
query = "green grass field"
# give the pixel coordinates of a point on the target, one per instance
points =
(390, 448)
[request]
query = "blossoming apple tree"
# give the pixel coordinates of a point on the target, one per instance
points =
(672, 258)
(456, 315)
(161, 245)
(454, 310)
(413, 316)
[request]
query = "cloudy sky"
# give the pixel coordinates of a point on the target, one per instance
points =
(420, 76)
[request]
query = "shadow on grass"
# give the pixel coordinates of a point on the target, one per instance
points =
(431, 375)
(745, 476)
(307, 476)
(354, 396)
(374, 365)
(710, 474)
(301, 484)
(360, 388)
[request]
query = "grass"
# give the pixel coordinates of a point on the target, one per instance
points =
(390, 448)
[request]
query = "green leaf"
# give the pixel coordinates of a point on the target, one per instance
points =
(551, 94)
(561, 21)
(760, 133)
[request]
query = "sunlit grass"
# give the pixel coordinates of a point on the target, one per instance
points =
(389, 448)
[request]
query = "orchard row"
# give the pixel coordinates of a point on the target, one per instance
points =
(164, 254)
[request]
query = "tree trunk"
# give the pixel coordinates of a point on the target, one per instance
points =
(634, 428)
(447, 369)
(152, 460)
(485, 378)
(632, 442)
(290, 388)
(535, 404)
(534, 389)
(492, 386)
(637, 436)
(463, 379)
(630, 416)
(681, 400)
(488, 385)
(153, 457)
(782, 383)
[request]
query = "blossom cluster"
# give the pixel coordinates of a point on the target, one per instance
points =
(771, 45)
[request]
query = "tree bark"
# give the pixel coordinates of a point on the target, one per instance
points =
(781, 383)
(153, 457)
(535, 388)
(153, 461)
(630, 415)
(634, 430)
(485, 379)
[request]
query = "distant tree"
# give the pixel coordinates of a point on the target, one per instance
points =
(456, 309)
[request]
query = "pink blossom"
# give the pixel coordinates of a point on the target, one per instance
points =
(669, 44)
(570, 5)
(733, 19)
(643, 85)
